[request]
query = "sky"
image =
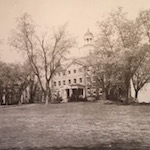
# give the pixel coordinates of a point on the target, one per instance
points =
(79, 14)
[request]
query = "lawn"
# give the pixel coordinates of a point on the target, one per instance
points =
(70, 126)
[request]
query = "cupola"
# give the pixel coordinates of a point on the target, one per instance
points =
(88, 37)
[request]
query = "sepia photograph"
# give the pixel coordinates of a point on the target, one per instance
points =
(74, 75)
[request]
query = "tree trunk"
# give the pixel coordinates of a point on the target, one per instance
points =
(103, 91)
(127, 94)
(46, 99)
(97, 93)
(104, 94)
(127, 85)
(136, 94)
(48, 93)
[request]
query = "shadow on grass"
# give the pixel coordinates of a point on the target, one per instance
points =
(108, 102)
(118, 145)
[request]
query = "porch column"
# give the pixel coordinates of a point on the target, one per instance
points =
(83, 92)
(70, 92)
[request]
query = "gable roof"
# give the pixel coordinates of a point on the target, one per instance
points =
(80, 61)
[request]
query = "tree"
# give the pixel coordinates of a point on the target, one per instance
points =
(25, 78)
(143, 21)
(44, 53)
(117, 52)
(142, 74)
(105, 70)
(129, 37)
(105, 56)
(13, 80)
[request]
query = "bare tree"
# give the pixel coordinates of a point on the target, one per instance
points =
(142, 74)
(44, 53)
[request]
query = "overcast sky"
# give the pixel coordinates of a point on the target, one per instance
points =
(79, 14)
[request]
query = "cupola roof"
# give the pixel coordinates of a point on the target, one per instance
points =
(88, 33)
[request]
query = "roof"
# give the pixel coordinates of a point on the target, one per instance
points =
(88, 33)
(59, 69)
(77, 85)
(81, 61)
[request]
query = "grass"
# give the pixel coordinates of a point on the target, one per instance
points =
(71, 126)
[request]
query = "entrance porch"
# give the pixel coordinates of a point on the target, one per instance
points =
(75, 92)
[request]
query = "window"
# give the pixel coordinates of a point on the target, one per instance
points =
(88, 79)
(89, 92)
(94, 79)
(69, 81)
(63, 73)
(80, 69)
(54, 83)
(59, 74)
(75, 81)
(80, 80)
(74, 71)
(64, 82)
(59, 83)
(69, 72)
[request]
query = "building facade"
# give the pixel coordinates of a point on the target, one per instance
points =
(73, 79)
(143, 95)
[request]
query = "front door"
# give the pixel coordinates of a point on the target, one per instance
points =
(77, 93)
